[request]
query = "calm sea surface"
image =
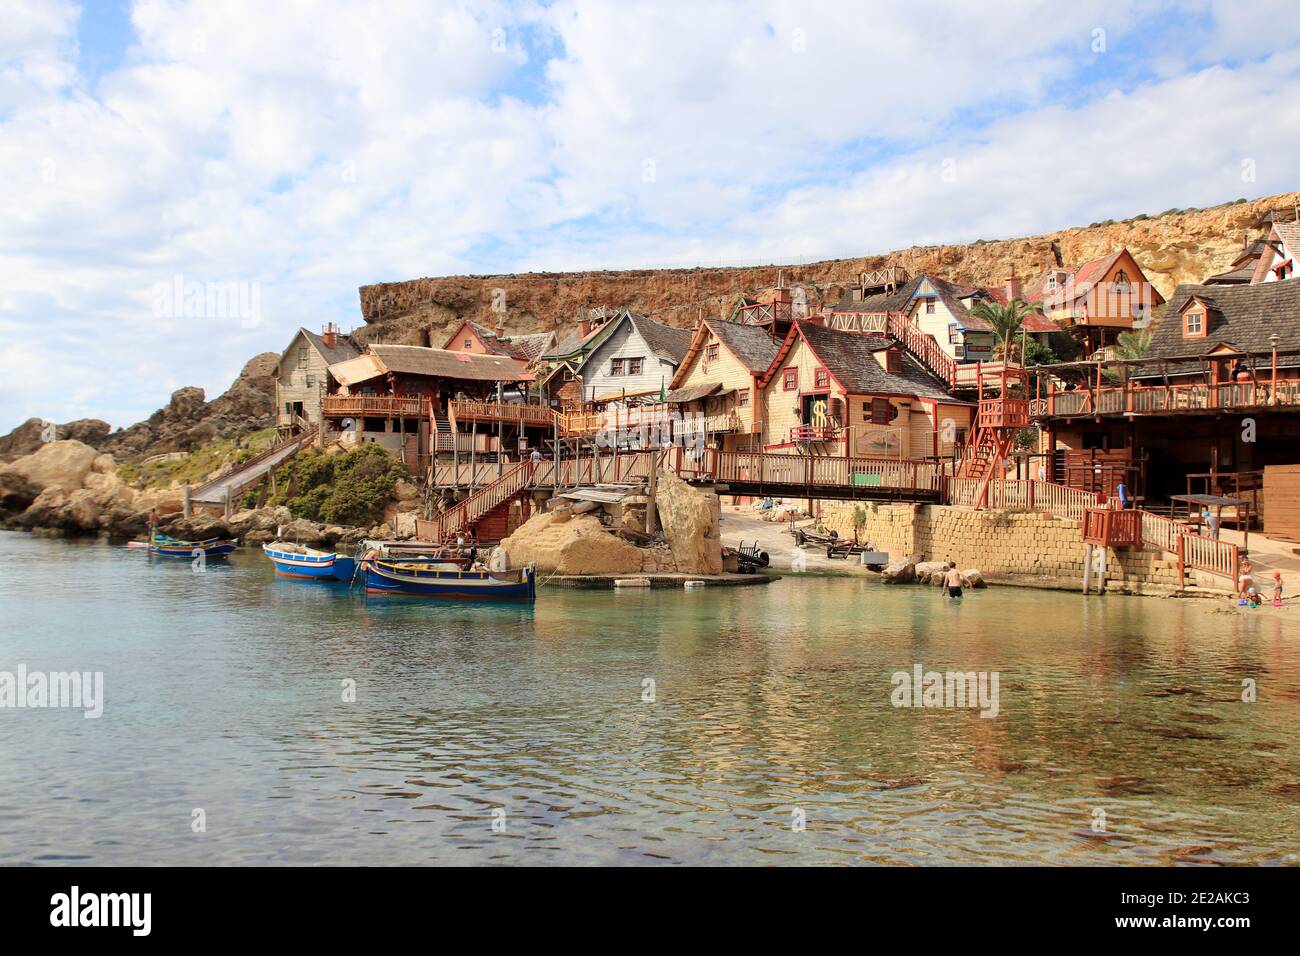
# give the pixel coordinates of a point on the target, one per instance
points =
(223, 692)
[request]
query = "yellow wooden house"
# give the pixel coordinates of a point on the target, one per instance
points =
(834, 392)
(717, 382)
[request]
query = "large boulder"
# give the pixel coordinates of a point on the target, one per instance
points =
(16, 492)
(571, 545)
(692, 525)
(931, 572)
(972, 578)
(902, 571)
(35, 432)
(58, 464)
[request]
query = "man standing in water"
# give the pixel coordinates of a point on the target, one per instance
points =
(952, 580)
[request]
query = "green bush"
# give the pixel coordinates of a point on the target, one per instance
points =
(348, 489)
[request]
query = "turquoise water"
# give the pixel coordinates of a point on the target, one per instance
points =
(223, 693)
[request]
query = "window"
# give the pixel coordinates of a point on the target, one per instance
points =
(821, 378)
(878, 411)
(1121, 281)
(929, 306)
(711, 353)
(1284, 270)
(1194, 322)
(311, 380)
(744, 398)
(1051, 280)
(634, 366)
(618, 366)
(893, 361)
(469, 344)
(302, 358)
(954, 336)
(790, 380)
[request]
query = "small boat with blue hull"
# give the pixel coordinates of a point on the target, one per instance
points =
(442, 579)
(297, 561)
(162, 546)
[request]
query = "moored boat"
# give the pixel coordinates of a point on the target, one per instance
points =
(443, 579)
(163, 546)
(298, 561)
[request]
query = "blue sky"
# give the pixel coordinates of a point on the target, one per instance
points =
(269, 158)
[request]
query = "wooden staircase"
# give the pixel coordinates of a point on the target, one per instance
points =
(464, 516)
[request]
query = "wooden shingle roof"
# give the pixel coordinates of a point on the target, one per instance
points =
(1242, 316)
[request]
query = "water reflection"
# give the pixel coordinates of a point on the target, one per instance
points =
(650, 726)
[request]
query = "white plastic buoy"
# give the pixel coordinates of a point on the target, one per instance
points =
(631, 582)
(692, 585)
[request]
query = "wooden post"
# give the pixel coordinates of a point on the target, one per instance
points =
(652, 488)
(186, 499)
(229, 512)
(1087, 566)
(1182, 564)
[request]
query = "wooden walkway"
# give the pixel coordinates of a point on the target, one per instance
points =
(743, 473)
(231, 484)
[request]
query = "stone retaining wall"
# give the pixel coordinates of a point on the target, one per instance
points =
(1007, 544)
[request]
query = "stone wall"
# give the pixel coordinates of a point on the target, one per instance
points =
(1028, 545)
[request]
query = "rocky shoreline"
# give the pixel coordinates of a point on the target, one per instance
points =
(69, 489)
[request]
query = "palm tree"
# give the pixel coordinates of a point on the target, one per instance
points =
(1005, 319)
(1132, 345)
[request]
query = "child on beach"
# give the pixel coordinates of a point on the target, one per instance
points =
(1252, 598)
(1277, 588)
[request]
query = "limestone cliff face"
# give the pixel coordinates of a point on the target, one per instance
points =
(1178, 247)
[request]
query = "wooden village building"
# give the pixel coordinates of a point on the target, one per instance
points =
(302, 377)
(469, 336)
(835, 392)
(635, 359)
(418, 402)
(1096, 300)
(1213, 404)
(717, 383)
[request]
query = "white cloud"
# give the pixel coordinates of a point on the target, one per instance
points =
(312, 147)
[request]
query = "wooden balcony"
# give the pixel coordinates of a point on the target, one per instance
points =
(806, 434)
(1004, 412)
(1134, 399)
(373, 406)
(464, 410)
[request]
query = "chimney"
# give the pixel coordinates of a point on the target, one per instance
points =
(584, 328)
(330, 335)
(857, 294)
(1013, 286)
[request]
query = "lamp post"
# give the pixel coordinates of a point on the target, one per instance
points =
(1273, 340)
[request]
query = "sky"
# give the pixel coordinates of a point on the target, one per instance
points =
(184, 183)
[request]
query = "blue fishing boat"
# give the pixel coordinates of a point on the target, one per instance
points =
(163, 546)
(296, 561)
(442, 579)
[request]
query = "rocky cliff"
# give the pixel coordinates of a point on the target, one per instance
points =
(1172, 247)
(186, 422)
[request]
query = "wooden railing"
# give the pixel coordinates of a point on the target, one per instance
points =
(1004, 412)
(1024, 495)
(1112, 528)
(375, 406)
(822, 471)
(462, 515)
(868, 323)
(1103, 522)
(1149, 399)
(466, 410)
(815, 433)
(924, 346)
(762, 313)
